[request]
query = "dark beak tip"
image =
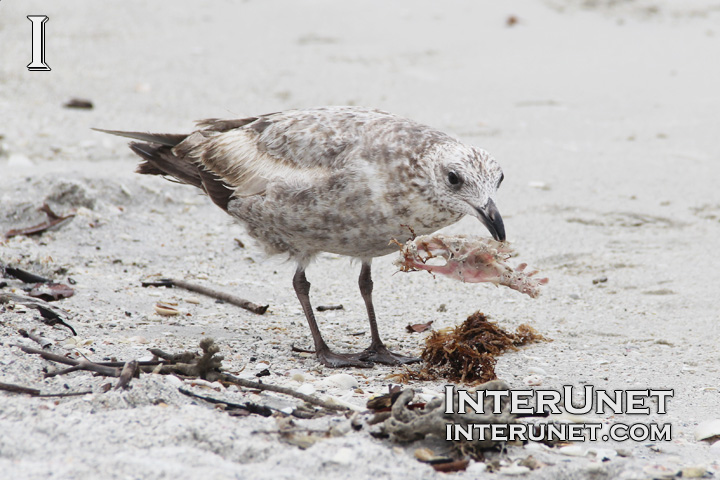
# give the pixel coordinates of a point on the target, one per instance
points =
(492, 220)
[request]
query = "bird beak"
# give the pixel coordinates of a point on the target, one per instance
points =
(490, 217)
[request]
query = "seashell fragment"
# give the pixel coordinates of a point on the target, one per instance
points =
(166, 310)
(708, 431)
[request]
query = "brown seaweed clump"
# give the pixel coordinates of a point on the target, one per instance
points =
(466, 353)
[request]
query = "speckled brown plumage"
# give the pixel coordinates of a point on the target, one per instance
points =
(345, 180)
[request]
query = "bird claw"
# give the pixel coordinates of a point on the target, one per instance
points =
(340, 360)
(380, 354)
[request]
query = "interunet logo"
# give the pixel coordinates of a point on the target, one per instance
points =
(541, 402)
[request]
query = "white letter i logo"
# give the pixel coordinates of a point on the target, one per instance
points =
(38, 43)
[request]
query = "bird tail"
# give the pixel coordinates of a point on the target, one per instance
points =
(159, 158)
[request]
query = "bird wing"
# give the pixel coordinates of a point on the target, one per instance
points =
(298, 146)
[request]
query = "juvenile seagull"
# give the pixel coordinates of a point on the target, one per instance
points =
(344, 180)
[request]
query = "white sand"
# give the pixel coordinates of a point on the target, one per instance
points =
(604, 118)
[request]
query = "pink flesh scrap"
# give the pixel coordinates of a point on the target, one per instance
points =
(469, 259)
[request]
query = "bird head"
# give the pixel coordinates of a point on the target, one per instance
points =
(466, 179)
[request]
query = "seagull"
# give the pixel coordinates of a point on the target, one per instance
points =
(347, 180)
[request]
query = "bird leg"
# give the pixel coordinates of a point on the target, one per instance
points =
(377, 352)
(326, 356)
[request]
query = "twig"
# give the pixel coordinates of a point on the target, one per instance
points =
(54, 220)
(44, 342)
(300, 350)
(9, 387)
(249, 406)
(225, 297)
(127, 373)
(51, 315)
(226, 377)
(25, 276)
(75, 364)
(322, 308)
(65, 394)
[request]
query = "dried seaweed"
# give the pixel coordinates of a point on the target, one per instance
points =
(466, 353)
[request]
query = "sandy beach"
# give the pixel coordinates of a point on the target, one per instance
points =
(603, 114)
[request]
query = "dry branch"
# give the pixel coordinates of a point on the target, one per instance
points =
(225, 297)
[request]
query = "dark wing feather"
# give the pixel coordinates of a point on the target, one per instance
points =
(167, 139)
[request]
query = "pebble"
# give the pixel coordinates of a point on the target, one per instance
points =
(533, 380)
(299, 376)
(173, 380)
(343, 381)
(572, 451)
(708, 430)
(514, 470)
(476, 467)
(18, 160)
(341, 429)
(693, 472)
(344, 403)
(306, 389)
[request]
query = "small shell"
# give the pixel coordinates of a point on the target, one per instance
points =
(193, 300)
(708, 431)
(424, 454)
(167, 310)
(533, 380)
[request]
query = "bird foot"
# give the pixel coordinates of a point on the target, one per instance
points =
(380, 354)
(339, 360)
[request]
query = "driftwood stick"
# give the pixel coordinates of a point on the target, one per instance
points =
(44, 342)
(127, 373)
(76, 364)
(25, 276)
(225, 297)
(226, 377)
(64, 371)
(51, 314)
(9, 387)
(322, 308)
(65, 394)
(249, 406)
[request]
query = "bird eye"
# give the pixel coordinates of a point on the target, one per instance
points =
(454, 179)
